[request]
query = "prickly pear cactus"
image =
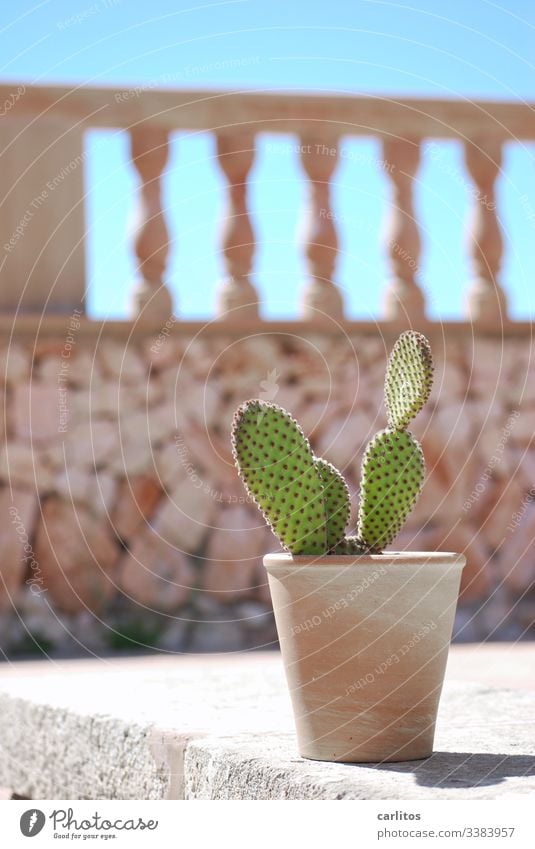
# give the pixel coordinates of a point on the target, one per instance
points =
(392, 477)
(393, 464)
(408, 379)
(279, 471)
(336, 500)
(305, 499)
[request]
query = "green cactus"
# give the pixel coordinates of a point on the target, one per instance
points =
(278, 469)
(408, 379)
(336, 501)
(391, 480)
(305, 499)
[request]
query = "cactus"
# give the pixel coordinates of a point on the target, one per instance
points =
(305, 499)
(278, 469)
(408, 379)
(336, 501)
(391, 480)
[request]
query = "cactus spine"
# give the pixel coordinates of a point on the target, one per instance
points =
(305, 499)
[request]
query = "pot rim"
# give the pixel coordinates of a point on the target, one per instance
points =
(393, 558)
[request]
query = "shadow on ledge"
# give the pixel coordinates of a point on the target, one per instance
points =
(465, 769)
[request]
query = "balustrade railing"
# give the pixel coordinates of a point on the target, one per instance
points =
(42, 155)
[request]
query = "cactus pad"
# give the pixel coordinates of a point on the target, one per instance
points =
(391, 480)
(278, 469)
(408, 380)
(336, 500)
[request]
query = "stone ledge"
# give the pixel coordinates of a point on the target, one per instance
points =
(42, 326)
(220, 727)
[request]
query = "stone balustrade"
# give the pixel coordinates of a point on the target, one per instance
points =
(42, 154)
(122, 520)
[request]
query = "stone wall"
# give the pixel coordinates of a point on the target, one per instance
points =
(123, 524)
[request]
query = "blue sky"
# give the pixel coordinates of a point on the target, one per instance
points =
(459, 49)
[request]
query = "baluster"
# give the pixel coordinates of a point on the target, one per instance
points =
(486, 299)
(150, 298)
(237, 297)
(321, 297)
(403, 298)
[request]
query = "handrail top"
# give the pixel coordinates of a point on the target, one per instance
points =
(305, 113)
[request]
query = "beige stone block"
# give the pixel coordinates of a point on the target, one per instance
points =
(14, 364)
(133, 457)
(36, 412)
(74, 484)
(121, 361)
(508, 495)
(234, 552)
(102, 494)
(449, 383)
(289, 397)
(22, 467)
(199, 403)
(155, 574)
(476, 579)
(153, 424)
(84, 370)
(136, 501)
(522, 464)
(256, 355)
(344, 439)
(523, 430)
(17, 518)
(134, 427)
(49, 367)
(101, 399)
(207, 456)
(315, 417)
(78, 555)
(435, 503)
(162, 353)
(199, 357)
(517, 554)
(144, 396)
(90, 444)
(185, 519)
(168, 465)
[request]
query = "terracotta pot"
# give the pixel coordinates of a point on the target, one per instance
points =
(365, 642)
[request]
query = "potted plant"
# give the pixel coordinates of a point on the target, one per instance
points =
(364, 633)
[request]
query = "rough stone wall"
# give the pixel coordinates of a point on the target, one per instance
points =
(122, 521)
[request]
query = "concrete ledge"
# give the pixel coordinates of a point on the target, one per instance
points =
(221, 728)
